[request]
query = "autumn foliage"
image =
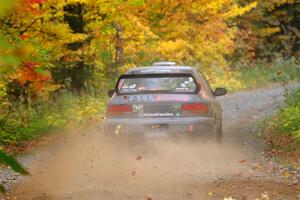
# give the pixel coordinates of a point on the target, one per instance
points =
(31, 6)
(28, 73)
(103, 38)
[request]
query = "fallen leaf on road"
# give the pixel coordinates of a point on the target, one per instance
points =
(265, 196)
(149, 198)
(243, 161)
(257, 166)
(228, 198)
(210, 194)
(138, 157)
(133, 173)
(287, 174)
(189, 194)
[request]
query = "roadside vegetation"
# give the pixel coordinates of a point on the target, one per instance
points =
(282, 132)
(25, 122)
(59, 58)
(258, 74)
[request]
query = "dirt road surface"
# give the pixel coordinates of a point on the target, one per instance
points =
(88, 165)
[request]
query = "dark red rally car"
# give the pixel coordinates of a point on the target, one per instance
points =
(164, 100)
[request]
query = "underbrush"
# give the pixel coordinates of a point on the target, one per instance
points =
(282, 132)
(259, 74)
(28, 121)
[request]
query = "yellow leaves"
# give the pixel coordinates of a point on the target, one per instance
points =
(133, 28)
(136, 2)
(184, 31)
(25, 52)
(220, 77)
(236, 10)
(211, 9)
(287, 174)
(265, 32)
(77, 37)
(208, 9)
(91, 108)
(177, 50)
(125, 68)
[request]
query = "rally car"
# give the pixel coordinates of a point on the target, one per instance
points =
(164, 100)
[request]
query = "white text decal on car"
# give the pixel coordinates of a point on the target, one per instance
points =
(158, 114)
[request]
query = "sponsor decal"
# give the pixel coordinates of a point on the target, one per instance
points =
(138, 108)
(176, 108)
(158, 114)
(157, 98)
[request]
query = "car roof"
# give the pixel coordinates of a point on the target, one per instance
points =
(161, 69)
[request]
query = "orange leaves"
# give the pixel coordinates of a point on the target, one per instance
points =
(32, 6)
(24, 36)
(35, 1)
(29, 73)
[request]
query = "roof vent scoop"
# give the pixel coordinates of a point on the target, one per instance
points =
(167, 63)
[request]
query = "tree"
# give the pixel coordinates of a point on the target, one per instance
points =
(7, 59)
(274, 25)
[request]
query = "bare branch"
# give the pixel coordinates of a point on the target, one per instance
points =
(31, 24)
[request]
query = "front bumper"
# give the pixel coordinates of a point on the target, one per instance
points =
(197, 125)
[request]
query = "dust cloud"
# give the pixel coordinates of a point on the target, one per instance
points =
(91, 165)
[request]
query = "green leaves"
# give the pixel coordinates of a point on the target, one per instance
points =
(13, 163)
(290, 116)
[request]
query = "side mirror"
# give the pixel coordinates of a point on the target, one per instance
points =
(111, 93)
(220, 92)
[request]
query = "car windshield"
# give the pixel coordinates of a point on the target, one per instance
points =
(184, 84)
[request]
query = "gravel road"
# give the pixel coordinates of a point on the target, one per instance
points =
(85, 164)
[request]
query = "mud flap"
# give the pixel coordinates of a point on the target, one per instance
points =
(218, 132)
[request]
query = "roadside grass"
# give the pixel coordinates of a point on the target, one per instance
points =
(255, 75)
(29, 121)
(281, 133)
(262, 74)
